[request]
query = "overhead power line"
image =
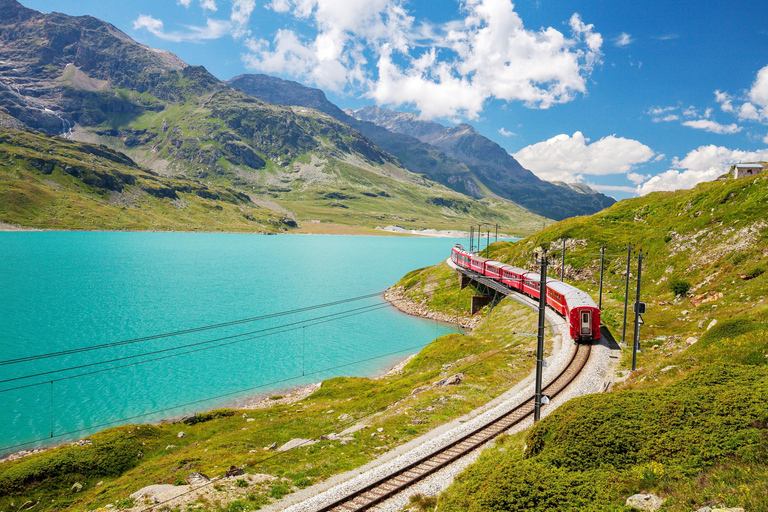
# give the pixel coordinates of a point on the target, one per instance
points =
(185, 331)
(277, 330)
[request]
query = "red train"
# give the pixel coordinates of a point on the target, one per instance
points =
(576, 306)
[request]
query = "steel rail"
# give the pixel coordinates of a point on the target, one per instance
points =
(386, 487)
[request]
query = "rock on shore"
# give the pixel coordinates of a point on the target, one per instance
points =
(397, 297)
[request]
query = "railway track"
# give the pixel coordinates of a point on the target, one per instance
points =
(392, 484)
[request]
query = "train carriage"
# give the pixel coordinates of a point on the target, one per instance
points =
(492, 269)
(512, 276)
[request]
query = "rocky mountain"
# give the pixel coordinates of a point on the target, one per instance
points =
(414, 154)
(458, 157)
(491, 165)
(84, 79)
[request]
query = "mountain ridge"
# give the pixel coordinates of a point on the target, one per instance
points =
(459, 157)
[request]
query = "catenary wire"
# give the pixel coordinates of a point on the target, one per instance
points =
(185, 331)
(285, 328)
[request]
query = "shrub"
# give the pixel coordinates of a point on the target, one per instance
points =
(754, 271)
(679, 286)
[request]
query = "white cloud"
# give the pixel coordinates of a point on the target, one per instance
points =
(637, 178)
(624, 40)
(748, 111)
(759, 92)
(725, 100)
(214, 29)
(209, 5)
(666, 119)
(241, 15)
(449, 70)
(506, 133)
(565, 158)
(712, 126)
(612, 188)
(702, 164)
(676, 180)
(765, 139)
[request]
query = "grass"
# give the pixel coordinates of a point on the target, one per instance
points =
(51, 183)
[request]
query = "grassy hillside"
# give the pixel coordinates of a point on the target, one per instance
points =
(691, 425)
(316, 168)
(53, 183)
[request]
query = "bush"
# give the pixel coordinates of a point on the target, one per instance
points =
(679, 286)
(525, 485)
(754, 271)
(710, 415)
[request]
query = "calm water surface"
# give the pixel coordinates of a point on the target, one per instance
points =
(67, 290)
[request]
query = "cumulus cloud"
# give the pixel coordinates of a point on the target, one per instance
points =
(506, 133)
(759, 92)
(566, 158)
(209, 5)
(753, 105)
(702, 164)
(447, 70)
(712, 126)
(623, 40)
(214, 29)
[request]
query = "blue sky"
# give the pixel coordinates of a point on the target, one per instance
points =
(627, 97)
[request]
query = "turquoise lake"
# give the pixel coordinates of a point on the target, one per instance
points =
(63, 291)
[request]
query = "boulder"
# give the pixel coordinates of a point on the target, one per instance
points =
(235, 471)
(160, 493)
(181, 434)
(295, 443)
(712, 323)
(196, 479)
(77, 487)
(273, 446)
(454, 379)
(649, 502)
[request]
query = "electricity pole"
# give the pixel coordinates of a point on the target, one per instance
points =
(562, 264)
(636, 341)
(471, 238)
(602, 260)
(487, 240)
(626, 297)
(540, 339)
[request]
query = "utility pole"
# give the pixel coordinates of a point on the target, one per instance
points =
(626, 296)
(497, 233)
(562, 264)
(636, 341)
(471, 238)
(540, 343)
(487, 240)
(478, 239)
(602, 260)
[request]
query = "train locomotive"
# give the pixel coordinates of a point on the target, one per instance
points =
(576, 306)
